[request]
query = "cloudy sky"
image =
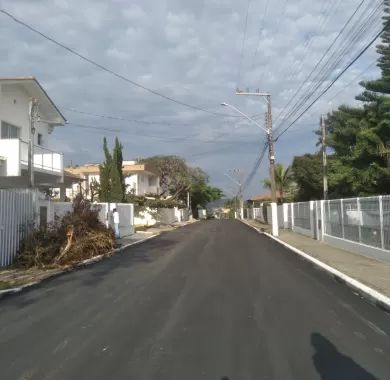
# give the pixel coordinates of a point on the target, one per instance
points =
(193, 51)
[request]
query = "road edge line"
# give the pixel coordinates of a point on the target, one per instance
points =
(365, 291)
(92, 260)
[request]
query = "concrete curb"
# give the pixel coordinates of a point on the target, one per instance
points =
(84, 263)
(372, 295)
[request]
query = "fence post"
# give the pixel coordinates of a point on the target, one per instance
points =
(360, 220)
(274, 213)
(342, 218)
(322, 213)
(311, 215)
(285, 215)
(292, 216)
(381, 222)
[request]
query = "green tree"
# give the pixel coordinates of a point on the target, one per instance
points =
(308, 176)
(105, 169)
(175, 178)
(283, 180)
(200, 190)
(360, 136)
(112, 186)
(116, 174)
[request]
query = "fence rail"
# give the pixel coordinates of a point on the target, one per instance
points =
(361, 225)
(16, 217)
(22, 210)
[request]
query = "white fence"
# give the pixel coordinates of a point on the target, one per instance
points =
(360, 225)
(150, 217)
(16, 217)
(22, 210)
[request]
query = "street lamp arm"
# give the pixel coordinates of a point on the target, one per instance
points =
(232, 179)
(246, 116)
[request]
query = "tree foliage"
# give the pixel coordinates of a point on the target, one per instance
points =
(177, 179)
(284, 181)
(358, 138)
(112, 185)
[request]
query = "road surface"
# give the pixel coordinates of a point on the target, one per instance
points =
(214, 300)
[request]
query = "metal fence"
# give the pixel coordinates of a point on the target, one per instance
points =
(22, 210)
(361, 220)
(301, 215)
(17, 214)
(361, 225)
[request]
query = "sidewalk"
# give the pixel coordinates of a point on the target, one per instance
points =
(373, 273)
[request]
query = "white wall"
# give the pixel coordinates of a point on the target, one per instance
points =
(140, 184)
(15, 113)
(10, 149)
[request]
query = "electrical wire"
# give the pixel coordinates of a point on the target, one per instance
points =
(321, 59)
(256, 166)
(112, 72)
(372, 64)
(332, 63)
(332, 83)
(110, 117)
(243, 44)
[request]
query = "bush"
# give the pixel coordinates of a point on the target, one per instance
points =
(77, 236)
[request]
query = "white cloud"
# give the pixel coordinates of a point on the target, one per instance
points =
(187, 49)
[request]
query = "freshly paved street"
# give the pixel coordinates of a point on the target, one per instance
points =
(208, 301)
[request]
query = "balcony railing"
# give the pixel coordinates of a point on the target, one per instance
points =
(44, 159)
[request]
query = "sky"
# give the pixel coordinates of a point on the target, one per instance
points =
(194, 51)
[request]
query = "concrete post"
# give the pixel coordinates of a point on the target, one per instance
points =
(381, 222)
(274, 213)
(322, 203)
(285, 215)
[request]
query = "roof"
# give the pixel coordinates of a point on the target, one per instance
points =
(34, 89)
(127, 169)
(264, 197)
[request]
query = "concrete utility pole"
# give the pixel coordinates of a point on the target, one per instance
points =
(271, 150)
(240, 195)
(34, 119)
(324, 157)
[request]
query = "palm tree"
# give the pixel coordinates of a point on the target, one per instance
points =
(283, 180)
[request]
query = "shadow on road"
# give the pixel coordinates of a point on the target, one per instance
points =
(333, 365)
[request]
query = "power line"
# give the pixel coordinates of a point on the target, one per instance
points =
(354, 80)
(332, 83)
(261, 27)
(243, 44)
(122, 118)
(321, 59)
(256, 166)
(358, 30)
(106, 69)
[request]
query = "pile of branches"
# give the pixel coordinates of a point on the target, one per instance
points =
(158, 202)
(78, 236)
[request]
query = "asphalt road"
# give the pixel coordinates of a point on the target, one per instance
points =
(212, 300)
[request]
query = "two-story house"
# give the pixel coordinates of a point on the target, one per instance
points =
(140, 179)
(25, 144)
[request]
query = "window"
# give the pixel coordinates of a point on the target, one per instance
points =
(40, 139)
(9, 131)
(152, 181)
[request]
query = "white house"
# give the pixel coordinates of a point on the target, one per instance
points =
(140, 179)
(16, 96)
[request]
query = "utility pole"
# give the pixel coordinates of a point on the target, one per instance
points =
(240, 195)
(34, 118)
(271, 150)
(324, 157)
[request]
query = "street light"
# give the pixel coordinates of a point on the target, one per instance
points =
(246, 116)
(271, 154)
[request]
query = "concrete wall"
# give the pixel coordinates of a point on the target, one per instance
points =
(10, 150)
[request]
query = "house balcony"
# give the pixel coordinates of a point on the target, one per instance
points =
(14, 159)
